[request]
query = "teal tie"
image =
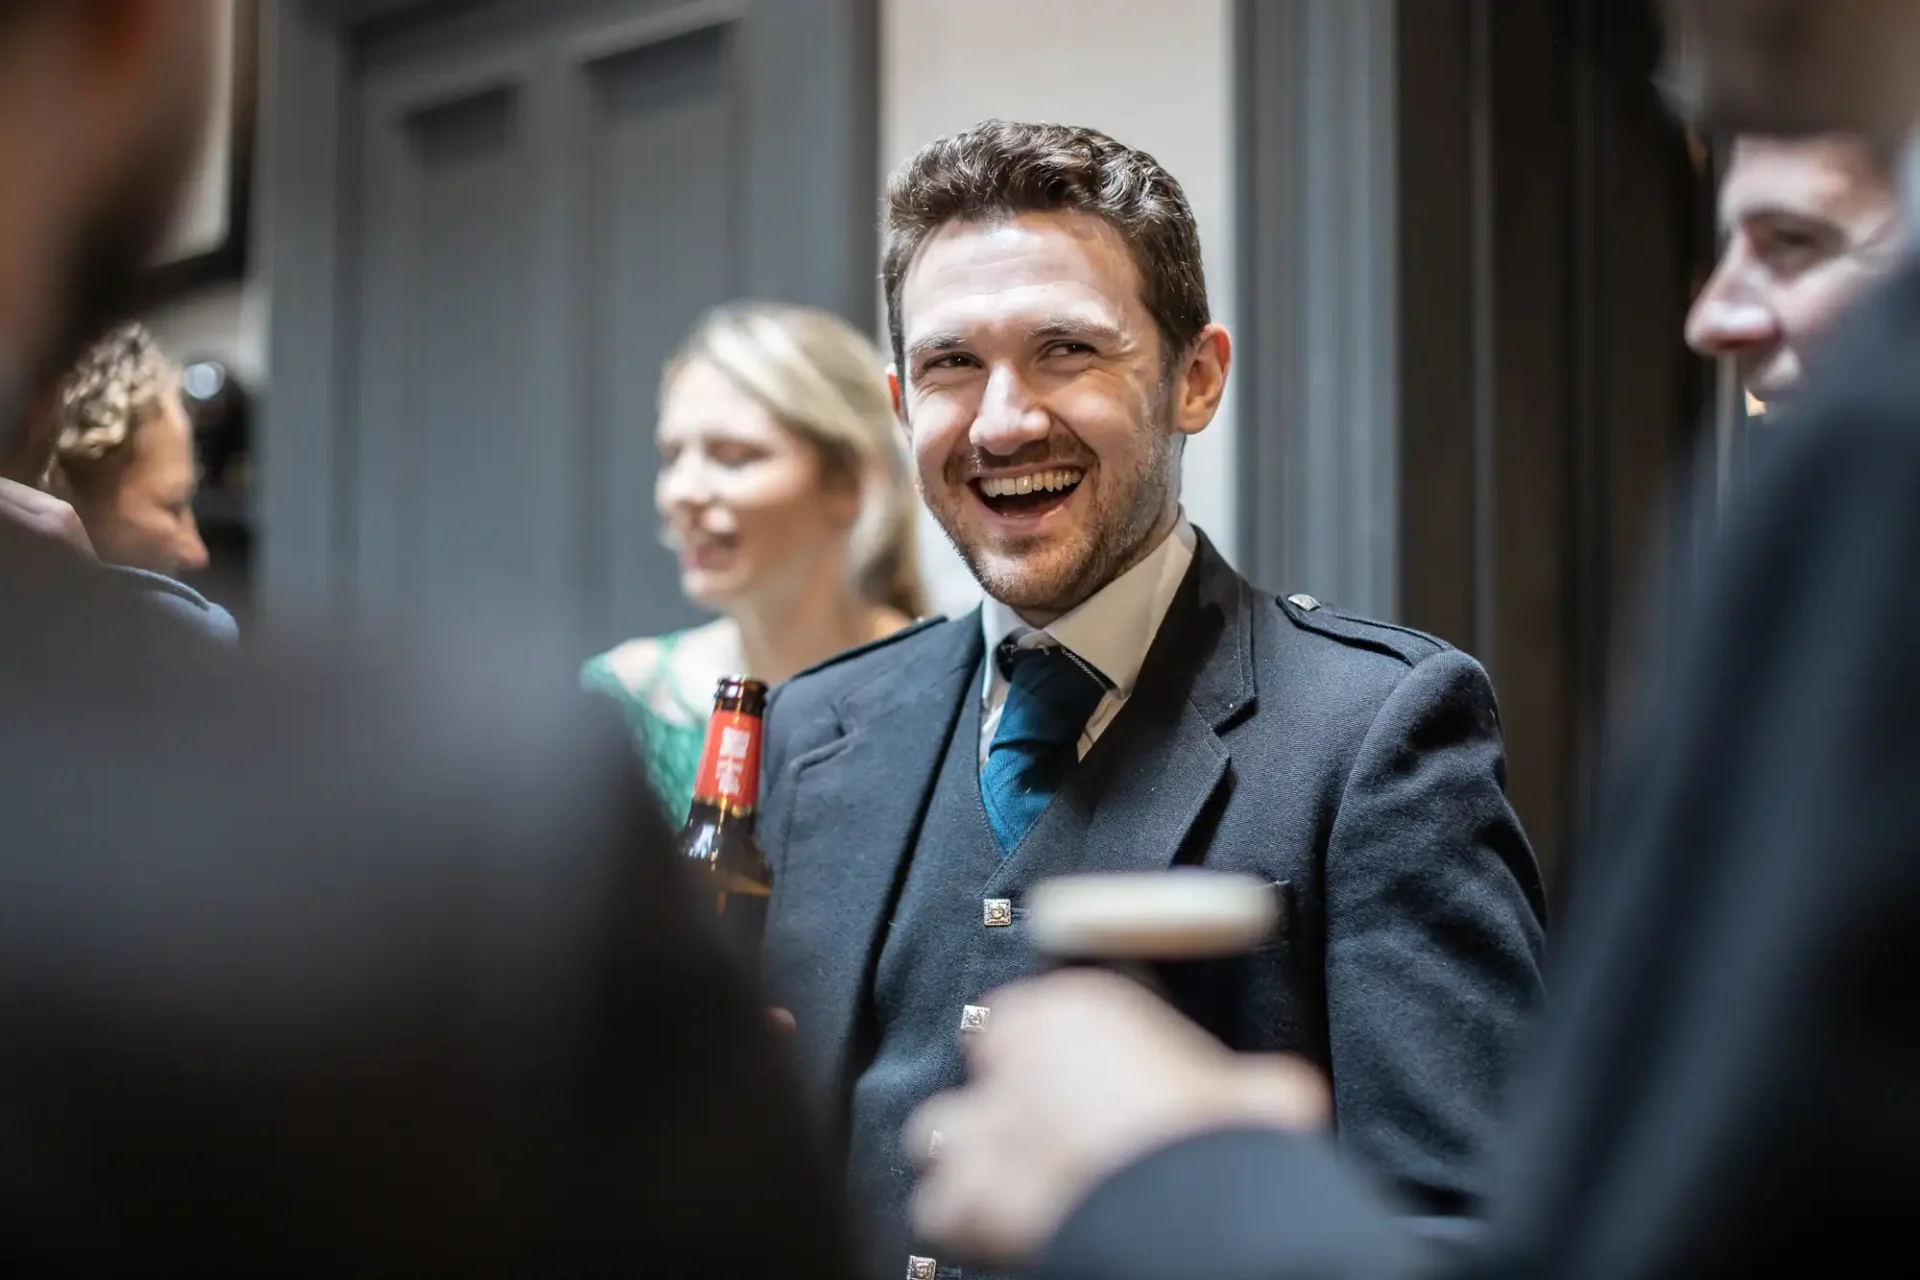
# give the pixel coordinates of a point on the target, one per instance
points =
(1050, 695)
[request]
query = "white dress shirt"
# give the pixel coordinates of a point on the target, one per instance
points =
(1111, 632)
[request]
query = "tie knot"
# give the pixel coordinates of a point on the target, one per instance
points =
(1052, 685)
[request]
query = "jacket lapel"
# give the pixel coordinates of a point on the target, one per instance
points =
(1151, 775)
(857, 806)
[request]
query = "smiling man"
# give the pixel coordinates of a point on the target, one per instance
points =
(1125, 701)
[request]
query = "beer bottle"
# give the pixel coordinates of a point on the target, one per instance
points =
(718, 838)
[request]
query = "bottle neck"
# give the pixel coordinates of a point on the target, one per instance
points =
(729, 779)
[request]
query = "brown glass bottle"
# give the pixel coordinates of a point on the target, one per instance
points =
(718, 839)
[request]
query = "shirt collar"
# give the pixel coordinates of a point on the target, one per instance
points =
(1113, 629)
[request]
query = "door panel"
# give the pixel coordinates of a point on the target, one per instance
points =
(546, 209)
(451, 492)
(1548, 239)
(659, 189)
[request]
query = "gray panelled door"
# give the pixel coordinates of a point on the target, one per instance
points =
(544, 209)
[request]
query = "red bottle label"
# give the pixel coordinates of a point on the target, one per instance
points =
(730, 763)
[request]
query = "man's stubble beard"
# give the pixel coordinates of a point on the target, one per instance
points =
(1116, 537)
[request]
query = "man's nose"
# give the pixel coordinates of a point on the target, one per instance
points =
(1727, 322)
(1009, 416)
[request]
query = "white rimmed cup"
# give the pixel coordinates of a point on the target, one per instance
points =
(1181, 933)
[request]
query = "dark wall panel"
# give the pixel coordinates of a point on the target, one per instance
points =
(1549, 232)
(661, 197)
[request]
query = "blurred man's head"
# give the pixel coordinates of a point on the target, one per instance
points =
(1808, 223)
(1796, 66)
(102, 110)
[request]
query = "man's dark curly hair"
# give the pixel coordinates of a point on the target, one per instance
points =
(1001, 169)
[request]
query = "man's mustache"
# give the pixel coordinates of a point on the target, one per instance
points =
(1040, 453)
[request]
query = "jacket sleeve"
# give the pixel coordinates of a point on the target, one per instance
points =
(1434, 920)
(1206, 1207)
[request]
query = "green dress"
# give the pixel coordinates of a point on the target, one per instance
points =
(670, 746)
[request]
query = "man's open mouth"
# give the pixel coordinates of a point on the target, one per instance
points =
(1028, 495)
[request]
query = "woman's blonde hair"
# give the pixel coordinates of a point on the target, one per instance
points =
(818, 375)
(120, 382)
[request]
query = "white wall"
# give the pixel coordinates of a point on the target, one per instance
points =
(1155, 74)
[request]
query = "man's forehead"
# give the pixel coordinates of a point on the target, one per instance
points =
(1067, 264)
(1830, 177)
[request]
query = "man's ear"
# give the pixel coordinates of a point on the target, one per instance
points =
(1202, 380)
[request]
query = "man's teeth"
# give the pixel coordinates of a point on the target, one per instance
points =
(1044, 482)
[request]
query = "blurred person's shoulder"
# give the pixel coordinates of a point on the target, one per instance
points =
(180, 601)
(418, 886)
(493, 737)
(488, 745)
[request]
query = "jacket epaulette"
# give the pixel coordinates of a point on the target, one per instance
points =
(1410, 646)
(848, 655)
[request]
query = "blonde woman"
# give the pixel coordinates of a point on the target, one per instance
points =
(785, 491)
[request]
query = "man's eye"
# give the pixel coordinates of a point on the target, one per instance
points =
(952, 360)
(1791, 249)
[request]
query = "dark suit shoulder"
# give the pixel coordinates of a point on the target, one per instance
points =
(854, 655)
(820, 686)
(1409, 646)
(803, 707)
(827, 682)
